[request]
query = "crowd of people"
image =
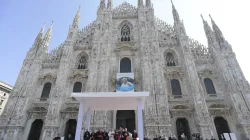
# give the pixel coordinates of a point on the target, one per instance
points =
(123, 134)
(181, 137)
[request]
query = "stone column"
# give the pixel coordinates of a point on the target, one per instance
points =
(79, 122)
(88, 119)
(114, 119)
(140, 120)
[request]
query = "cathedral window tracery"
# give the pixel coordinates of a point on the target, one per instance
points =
(209, 86)
(46, 91)
(125, 33)
(170, 60)
(82, 62)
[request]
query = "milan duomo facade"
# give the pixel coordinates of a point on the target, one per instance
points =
(192, 88)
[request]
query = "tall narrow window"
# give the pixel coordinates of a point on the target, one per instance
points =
(82, 63)
(46, 91)
(209, 86)
(77, 87)
(125, 65)
(125, 33)
(176, 88)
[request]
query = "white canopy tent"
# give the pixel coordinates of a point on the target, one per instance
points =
(110, 101)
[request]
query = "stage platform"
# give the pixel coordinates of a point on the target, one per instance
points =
(110, 101)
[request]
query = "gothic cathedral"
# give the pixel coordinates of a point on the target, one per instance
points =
(193, 88)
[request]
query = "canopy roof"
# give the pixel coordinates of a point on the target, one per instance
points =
(111, 100)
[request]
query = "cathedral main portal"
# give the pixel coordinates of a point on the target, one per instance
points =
(70, 128)
(36, 130)
(125, 119)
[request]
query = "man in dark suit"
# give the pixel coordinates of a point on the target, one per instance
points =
(87, 135)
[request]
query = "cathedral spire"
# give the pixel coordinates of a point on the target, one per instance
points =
(76, 19)
(148, 3)
(39, 37)
(102, 4)
(208, 31)
(219, 36)
(110, 4)
(47, 37)
(140, 3)
(175, 14)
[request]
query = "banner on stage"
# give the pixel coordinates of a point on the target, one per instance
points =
(125, 82)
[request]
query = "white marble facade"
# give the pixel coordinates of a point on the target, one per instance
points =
(160, 53)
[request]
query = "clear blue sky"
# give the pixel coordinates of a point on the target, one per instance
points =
(21, 20)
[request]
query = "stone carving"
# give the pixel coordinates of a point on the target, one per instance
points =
(47, 78)
(78, 75)
(180, 107)
(125, 10)
(200, 52)
(52, 60)
(164, 27)
(218, 106)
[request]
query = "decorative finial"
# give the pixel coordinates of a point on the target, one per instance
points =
(202, 17)
(44, 24)
(42, 30)
(211, 18)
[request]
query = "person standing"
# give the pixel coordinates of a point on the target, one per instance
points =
(57, 137)
(87, 135)
(125, 137)
(69, 137)
(105, 135)
(155, 138)
(111, 135)
(134, 135)
(99, 135)
(212, 138)
(116, 136)
(92, 135)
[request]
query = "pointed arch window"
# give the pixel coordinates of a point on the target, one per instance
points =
(209, 86)
(125, 65)
(170, 60)
(125, 33)
(46, 91)
(82, 62)
(176, 88)
(77, 87)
